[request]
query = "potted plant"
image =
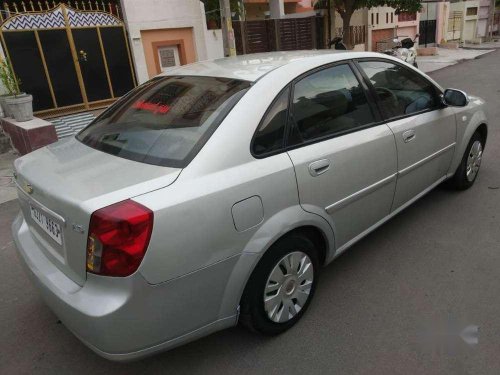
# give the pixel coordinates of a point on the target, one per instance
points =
(5, 77)
(212, 19)
(17, 104)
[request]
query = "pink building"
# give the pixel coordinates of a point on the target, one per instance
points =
(384, 24)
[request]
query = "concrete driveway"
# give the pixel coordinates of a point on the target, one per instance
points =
(394, 304)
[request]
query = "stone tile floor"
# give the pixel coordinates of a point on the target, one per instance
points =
(7, 186)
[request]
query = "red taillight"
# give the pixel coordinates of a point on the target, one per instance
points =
(118, 238)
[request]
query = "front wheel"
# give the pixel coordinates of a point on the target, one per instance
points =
(415, 64)
(467, 171)
(281, 287)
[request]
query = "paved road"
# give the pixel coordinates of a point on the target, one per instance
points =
(393, 304)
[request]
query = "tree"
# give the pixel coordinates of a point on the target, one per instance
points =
(346, 9)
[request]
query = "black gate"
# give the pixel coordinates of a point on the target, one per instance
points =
(69, 59)
(427, 32)
(278, 34)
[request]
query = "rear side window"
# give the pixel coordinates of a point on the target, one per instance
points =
(271, 132)
(328, 102)
(166, 121)
(400, 91)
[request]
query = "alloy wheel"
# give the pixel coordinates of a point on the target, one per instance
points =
(288, 287)
(474, 160)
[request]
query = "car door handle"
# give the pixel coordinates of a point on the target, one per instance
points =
(319, 167)
(409, 136)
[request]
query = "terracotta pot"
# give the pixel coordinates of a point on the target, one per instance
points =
(212, 25)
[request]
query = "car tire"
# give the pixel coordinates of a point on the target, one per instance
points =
(415, 64)
(467, 171)
(283, 278)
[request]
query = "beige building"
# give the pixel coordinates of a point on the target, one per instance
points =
(384, 24)
(483, 15)
(167, 33)
(463, 21)
(436, 11)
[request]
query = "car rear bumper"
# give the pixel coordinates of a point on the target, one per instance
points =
(127, 318)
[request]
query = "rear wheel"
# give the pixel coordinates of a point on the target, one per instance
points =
(281, 286)
(468, 169)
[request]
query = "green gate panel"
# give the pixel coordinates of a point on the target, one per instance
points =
(28, 66)
(117, 57)
(61, 68)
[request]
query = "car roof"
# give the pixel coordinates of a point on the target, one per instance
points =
(251, 67)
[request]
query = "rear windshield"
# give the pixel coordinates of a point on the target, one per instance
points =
(165, 121)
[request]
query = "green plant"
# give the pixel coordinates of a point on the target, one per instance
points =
(9, 79)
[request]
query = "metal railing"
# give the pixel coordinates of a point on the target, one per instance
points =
(11, 8)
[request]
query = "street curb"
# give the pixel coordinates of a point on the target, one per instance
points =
(481, 48)
(460, 61)
(484, 54)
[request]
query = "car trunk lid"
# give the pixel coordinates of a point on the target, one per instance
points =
(59, 186)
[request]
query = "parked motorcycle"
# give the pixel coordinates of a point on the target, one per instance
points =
(404, 49)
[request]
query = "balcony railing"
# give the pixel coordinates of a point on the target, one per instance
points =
(13, 7)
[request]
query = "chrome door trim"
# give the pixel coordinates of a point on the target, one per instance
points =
(360, 194)
(427, 159)
(344, 247)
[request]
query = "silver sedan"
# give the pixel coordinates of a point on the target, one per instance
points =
(215, 193)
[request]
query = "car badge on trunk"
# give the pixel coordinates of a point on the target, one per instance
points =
(78, 228)
(28, 188)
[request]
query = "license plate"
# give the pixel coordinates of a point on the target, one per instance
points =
(50, 227)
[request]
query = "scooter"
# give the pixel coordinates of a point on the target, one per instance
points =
(404, 50)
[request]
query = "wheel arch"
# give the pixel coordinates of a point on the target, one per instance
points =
(482, 129)
(310, 225)
(316, 236)
(477, 123)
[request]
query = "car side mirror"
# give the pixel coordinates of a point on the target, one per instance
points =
(455, 98)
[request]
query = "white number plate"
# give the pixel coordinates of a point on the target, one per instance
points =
(47, 224)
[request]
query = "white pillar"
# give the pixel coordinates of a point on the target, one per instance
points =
(277, 8)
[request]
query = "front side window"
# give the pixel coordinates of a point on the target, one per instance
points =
(400, 91)
(330, 101)
(271, 132)
(165, 121)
